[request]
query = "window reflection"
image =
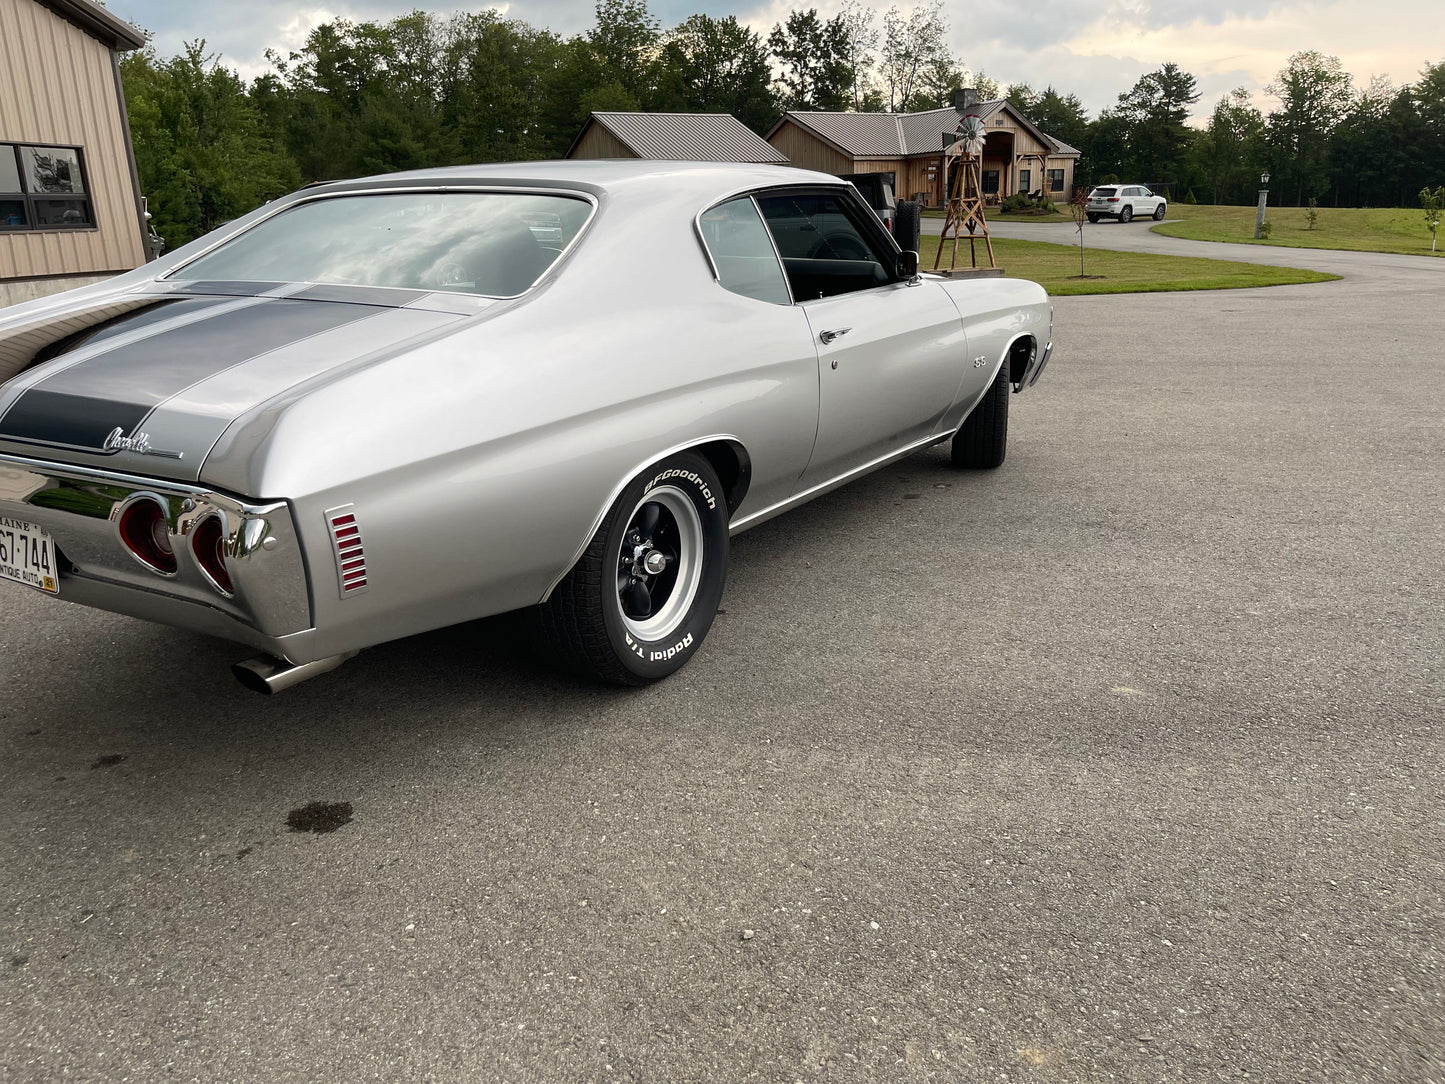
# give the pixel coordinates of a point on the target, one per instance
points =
(496, 244)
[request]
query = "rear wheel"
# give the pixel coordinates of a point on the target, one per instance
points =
(982, 439)
(1159, 213)
(1093, 218)
(1126, 215)
(641, 599)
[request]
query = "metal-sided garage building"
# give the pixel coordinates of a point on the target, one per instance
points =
(70, 206)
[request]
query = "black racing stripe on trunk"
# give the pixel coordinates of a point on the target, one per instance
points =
(243, 288)
(76, 421)
(108, 390)
(167, 309)
(390, 296)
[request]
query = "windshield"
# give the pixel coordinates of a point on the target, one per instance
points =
(492, 243)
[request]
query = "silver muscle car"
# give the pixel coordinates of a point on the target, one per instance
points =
(377, 407)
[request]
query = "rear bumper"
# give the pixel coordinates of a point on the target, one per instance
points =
(78, 507)
(1036, 370)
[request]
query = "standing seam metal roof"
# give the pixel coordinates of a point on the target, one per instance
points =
(899, 135)
(689, 137)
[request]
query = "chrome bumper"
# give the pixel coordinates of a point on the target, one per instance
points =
(78, 507)
(1034, 370)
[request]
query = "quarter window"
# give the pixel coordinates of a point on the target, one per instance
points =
(741, 253)
(43, 188)
(825, 250)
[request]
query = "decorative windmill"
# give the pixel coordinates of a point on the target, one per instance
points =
(965, 196)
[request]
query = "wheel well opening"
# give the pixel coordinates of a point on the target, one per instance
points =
(734, 469)
(1020, 353)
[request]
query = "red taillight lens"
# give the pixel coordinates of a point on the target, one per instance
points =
(144, 532)
(1112, 199)
(208, 543)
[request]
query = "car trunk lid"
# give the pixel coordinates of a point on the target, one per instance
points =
(151, 391)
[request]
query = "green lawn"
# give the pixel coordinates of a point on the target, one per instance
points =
(1369, 229)
(1057, 268)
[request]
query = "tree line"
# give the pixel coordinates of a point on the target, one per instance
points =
(426, 90)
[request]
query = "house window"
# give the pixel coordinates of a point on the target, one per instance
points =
(1026, 177)
(43, 188)
(990, 182)
(1056, 180)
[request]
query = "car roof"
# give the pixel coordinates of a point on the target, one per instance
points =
(610, 175)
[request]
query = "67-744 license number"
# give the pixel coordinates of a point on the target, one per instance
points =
(27, 555)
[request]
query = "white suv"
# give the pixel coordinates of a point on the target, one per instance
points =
(1124, 202)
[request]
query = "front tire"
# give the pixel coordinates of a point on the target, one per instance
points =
(1126, 215)
(641, 599)
(982, 439)
(1159, 213)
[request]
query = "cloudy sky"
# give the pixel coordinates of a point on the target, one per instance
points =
(1093, 49)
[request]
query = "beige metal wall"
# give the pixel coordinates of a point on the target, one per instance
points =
(57, 86)
(598, 142)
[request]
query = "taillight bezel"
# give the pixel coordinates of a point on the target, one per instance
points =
(219, 579)
(141, 542)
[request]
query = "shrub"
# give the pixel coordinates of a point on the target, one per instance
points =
(1312, 213)
(1019, 201)
(1189, 197)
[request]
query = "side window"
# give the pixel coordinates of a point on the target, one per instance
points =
(741, 253)
(824, 250)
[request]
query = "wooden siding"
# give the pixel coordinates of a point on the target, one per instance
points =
(807, 151)
(57, 86)
(598, 142)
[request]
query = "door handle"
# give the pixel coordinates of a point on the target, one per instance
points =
(836, 333)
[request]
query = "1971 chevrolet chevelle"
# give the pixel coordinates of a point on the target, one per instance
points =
(377, 407)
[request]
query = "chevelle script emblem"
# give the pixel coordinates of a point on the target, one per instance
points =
(139, 443)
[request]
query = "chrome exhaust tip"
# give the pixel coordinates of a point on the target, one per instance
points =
(270, 675)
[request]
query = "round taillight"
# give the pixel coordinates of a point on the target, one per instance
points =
(208, 543)
(144, 532)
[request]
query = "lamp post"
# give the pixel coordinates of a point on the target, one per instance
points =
(1263, 199)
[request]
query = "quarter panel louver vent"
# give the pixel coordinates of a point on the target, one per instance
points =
(346, 546)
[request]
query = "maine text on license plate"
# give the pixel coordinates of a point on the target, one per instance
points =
(27, 555)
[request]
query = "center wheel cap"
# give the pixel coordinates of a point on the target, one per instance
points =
(654, 562)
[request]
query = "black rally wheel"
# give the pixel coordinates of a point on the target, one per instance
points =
(982, 439)
(641, 599)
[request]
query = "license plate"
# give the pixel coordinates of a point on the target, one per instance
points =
(27, 555)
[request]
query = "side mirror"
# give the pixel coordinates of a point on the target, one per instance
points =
(908, 264)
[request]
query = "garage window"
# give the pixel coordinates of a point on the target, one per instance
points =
(43, 188)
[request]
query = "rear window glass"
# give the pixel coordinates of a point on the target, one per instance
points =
(1103, 191)
(496, 244)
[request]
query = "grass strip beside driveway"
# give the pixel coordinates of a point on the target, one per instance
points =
(1056, 267)
(1355, 229)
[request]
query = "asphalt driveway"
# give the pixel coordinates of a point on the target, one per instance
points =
(1122, 762)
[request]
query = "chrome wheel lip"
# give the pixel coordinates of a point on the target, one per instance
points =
(669, 617)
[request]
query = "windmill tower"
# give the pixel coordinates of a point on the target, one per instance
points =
(964, 153)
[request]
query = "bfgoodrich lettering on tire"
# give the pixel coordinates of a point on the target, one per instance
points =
(641, 599)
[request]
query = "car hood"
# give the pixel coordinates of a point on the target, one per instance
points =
(151, 391)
